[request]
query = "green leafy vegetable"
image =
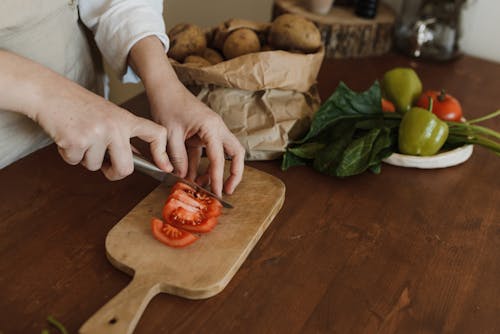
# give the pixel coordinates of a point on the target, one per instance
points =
(349, 134)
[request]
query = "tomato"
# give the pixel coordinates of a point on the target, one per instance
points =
(183, 216)
(445, 106)
(205, 226)
(191, 218)
(186, 210)
(170, 235)
(210, 206)
(387, 106)
(177, 210)
(188, 198)
(214, 209)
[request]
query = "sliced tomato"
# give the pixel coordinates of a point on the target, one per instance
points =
(214, 209)
(204, 226)
(184, 187)
(191, 210)
(210, 206)
(188, 198)
(170, 235)
(175, 209)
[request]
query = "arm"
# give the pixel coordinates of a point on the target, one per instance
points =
(190, 124)
(82, 124)
(134, 31)
(118, 24)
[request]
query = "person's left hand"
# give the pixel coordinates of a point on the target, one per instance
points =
(192, 126)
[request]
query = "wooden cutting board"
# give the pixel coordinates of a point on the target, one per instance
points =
(198, 271)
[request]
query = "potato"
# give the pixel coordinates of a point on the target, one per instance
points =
(267, 47)
(224, 29)
(241, 42)
(185, 40)
(212, 56)
(294, 33)
(197, 61)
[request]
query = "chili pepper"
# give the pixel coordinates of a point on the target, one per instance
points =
(401, 86)
(421, 132)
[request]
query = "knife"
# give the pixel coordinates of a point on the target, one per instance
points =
(148, 168)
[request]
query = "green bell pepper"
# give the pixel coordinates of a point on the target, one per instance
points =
(421, 133)
(401, 86)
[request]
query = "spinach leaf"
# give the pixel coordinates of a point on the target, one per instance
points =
(349, 134)
(364, 152)
(345, 103)
(307, 150)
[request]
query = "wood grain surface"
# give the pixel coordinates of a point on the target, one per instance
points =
(406, 251)
(199, 271)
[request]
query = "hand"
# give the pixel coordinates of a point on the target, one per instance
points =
(90, 126)
(82, 124)
(191, 126)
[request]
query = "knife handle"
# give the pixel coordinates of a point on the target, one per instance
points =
(144, 166)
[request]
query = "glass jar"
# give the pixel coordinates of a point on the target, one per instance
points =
(429, 29)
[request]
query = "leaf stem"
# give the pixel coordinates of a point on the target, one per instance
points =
(484, 118)
(57, 324)
(472, 129)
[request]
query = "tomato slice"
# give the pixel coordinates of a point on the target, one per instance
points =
(190, 210)
(175, 209)
(188, 199)
(210, 206)
(170, 235)
(204, 226)
(184, 187)
(214, 209)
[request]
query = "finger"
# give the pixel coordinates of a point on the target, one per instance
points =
(93, 157)
(71, 156)
(215, 153)
(237, 154)
(156, 136)
(176, 149)
(203, 180)
(120, 156)
(194, 157)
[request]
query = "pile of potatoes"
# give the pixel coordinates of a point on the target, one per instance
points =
(189, 44)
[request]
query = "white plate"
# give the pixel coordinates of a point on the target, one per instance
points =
(441, 160)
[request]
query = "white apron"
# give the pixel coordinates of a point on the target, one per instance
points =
(47, 32)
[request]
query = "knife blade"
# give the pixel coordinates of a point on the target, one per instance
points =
(170, 179)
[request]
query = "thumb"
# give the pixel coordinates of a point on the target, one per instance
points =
(156, 136)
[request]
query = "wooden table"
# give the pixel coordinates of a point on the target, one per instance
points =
(401, 252)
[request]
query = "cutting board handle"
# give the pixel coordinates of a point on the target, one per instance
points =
(121, 314)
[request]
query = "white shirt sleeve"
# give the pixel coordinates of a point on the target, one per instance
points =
(119, 24)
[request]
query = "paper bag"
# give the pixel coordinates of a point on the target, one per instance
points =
(266, 99)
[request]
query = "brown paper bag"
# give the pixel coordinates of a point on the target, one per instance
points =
(266, 99)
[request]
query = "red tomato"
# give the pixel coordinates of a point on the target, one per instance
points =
(210, 206)
(388, 106)
(177, 210)
(188, 198)
(183, 217)
(445, 106)
(185, 211)
(170, 235)
(203, 227)
(214, 209)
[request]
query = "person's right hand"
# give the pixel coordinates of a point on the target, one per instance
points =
(93, 126)
(83, 125)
